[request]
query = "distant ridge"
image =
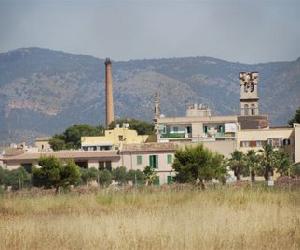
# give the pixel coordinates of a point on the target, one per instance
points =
(43, 91)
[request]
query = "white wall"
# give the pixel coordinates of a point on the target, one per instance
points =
(164, 168)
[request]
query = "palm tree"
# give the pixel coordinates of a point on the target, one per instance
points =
(253, 163)
(268, 161)
(237, 163)
(282, 162)
(150, 175)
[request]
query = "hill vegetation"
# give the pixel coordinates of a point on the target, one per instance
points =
(44, 91)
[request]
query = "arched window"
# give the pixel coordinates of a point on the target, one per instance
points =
(246, 109)
(252, 109)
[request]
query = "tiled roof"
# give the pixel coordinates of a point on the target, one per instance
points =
(13, 151)
(64, 155)
(150, 147)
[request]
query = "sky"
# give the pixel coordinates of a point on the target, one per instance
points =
(247, 31)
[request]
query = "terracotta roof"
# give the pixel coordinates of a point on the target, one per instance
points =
(64, 155)
(150, 147)
(13, 151)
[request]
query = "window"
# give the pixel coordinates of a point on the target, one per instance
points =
(259, 143)
(101, 165)
(139, 159)
(275, 142)
(105, 148)
(244, 144)
(221, 129)
(170, 179)
(175, 129)
(156, 181)
(286, 142)
(189, 129)
(252, 144)
(252, 109)
(108, 165)
(205, 129)
(162, 129)
(252, 87)
(27, 167)
(246, 109)
(169, 159)
(82, 164)
(153, 161)
(105, 165)
(120, 137)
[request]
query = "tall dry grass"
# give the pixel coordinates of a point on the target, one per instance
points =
(224, 218)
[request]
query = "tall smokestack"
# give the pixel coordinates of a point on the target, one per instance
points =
(110, 116)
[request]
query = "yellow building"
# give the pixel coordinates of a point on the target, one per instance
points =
(112, 140)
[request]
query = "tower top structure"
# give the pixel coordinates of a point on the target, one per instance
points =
(249, 93)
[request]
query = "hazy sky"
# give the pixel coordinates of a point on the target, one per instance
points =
(237, 30)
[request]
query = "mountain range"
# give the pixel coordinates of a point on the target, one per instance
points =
(43, 91)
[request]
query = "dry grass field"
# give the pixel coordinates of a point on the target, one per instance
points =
(153, 218)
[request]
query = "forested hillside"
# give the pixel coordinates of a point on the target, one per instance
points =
(44, 91)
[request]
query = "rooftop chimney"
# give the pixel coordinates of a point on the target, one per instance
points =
(109, 100)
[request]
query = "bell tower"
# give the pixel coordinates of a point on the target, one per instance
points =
(248, 93)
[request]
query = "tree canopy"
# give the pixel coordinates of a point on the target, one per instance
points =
(71, 137)
(198, 164)
(296, 118)
(142, 127)
(54, 173)
(253, 163)
(16, 178)
(150, 175)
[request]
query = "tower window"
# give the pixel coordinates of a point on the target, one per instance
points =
(246, 109)
(252, 109)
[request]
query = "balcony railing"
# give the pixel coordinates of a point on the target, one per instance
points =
(216, 135)
(173, 135)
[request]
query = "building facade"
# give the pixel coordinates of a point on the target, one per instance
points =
(248, 131)
(135, 156)
(113, 139)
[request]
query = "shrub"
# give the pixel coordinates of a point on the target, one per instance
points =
(55, 174)
(198, 164)
(105, 177)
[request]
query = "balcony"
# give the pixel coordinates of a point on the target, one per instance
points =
(174, 135)
(219, 135)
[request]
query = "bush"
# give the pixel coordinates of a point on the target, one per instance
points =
(150, 175)
(295, 170)
(16, 178)
(198, 164)
(71, 137)
(136, 176)
(89, 174)
(120, 175)
(105, 177)
(55, 174)
(142, 127)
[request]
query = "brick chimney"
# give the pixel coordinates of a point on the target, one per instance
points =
(109, 99)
